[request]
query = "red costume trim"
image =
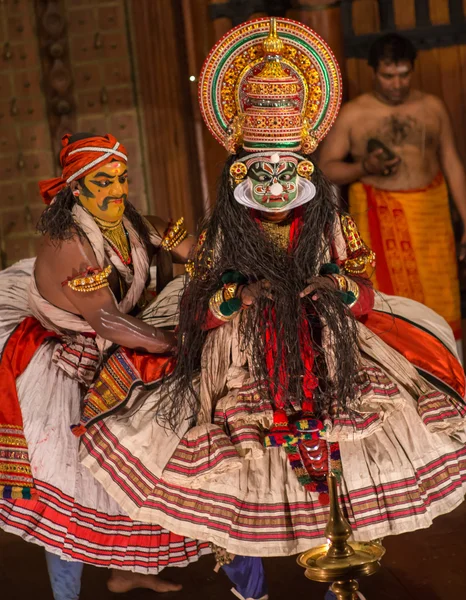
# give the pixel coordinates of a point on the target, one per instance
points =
(383, 272)
(211, 322)
(121, 373)
(419, 347)
(15, 472)
(366, 298)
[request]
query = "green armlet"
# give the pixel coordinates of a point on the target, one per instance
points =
(348, 297)
(329, 269)
(233, 277)
(228, 308)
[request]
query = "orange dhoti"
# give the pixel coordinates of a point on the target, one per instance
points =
(412, 236)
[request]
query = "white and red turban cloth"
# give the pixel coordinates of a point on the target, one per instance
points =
(80, 158)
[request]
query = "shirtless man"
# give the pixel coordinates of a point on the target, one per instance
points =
(400, 141)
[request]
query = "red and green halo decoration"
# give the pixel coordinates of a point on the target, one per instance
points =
(237, 85)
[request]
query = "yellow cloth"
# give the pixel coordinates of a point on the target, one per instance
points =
(412, 236)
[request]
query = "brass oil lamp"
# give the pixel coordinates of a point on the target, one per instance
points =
(339, 562)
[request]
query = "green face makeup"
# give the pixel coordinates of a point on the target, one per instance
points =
(274, 185)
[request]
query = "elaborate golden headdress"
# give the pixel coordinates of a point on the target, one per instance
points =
(270, 85)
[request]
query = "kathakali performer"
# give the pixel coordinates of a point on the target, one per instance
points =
(287, 367)
(59, 315)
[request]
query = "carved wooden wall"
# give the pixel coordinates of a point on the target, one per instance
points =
(65, 66)
(101, 58)
(57, 80)
(25, 139)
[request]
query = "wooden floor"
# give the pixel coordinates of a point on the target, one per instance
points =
(425, 565)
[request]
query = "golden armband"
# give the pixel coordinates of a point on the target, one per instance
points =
(174, 235)
(348, 288)
(92, 279)
(353, 288)
(220, 304)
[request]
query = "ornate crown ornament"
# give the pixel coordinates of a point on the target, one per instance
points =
(268, 85)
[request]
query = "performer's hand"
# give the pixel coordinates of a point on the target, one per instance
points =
(250, 293)
(375, 164)
(462, 248)
(316, 284)
(167, 340)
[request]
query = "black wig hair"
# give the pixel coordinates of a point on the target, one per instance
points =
(234, 240)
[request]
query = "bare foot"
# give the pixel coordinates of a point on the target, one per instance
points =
(124, 581)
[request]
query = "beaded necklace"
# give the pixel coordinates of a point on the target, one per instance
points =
(279, 233)
(117, 236)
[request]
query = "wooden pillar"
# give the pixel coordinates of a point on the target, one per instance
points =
(200, 36)
(324, 16)
(162, 76)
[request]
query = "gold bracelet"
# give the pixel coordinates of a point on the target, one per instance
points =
(353, 287)
(346, 284)
(214, 305)
(91, 282)
(229, 291)
(190, 269)
(341, 282)
(174, 235)
(358, 266)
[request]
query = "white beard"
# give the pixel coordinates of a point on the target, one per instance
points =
(243, 195)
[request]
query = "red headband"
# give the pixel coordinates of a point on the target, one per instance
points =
(80, 158)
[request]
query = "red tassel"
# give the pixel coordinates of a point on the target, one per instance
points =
(308, 406)
(324, 499)
(78, 430)
(280, 418)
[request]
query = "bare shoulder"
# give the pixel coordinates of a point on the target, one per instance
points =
(60, 259)
(433, 102)
(74, 244)
(365, 100)
(351, 108)
(355, 108)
